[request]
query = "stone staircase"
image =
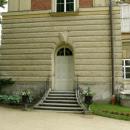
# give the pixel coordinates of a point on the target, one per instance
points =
(60, 101)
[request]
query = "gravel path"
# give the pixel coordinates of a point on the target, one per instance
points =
(14, 119)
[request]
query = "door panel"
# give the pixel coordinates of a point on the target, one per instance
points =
(64, 73)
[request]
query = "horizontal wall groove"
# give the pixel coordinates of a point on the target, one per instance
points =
(48, 18)
(77, 39)
(70, 33)
(14, 31)
(5, 47)
(77, 36)
(10, 26)
(26, 51)
(57, 23)
(89, 25)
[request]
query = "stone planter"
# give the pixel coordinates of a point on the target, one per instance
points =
(88, 101)
(125, 102)
(125, 98)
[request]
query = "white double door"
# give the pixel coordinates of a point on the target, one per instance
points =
(64, 73)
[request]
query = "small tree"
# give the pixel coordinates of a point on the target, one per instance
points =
(2, 3)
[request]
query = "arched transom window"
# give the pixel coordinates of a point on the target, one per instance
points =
(64, 52)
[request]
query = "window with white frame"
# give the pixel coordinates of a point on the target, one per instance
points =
(126, 68)
(65, 5)
(125, 17)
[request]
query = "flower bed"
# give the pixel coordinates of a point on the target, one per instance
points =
(111, 111)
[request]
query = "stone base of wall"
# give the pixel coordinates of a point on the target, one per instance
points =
(36, 88)
(125, 102)
(102, 92)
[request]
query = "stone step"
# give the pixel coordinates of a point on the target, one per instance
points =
(62, 95)
(61, 98)
(64, 101)
(59, 105)
(62, 92)
(60, 108)
(61, 101)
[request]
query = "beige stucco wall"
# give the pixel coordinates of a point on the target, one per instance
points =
(100, 3)
(30, 39)
(126, 45)
(13, 5)
(19, 5)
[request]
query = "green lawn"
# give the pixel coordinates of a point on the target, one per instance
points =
(112, 111)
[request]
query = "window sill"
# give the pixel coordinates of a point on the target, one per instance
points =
(61, 14)
(126, 80)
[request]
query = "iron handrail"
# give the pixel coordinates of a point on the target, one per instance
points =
(47, 88)
(45, 91)
(79, 95)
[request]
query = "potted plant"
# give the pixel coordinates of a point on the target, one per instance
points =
(25, 98)
(88, 96)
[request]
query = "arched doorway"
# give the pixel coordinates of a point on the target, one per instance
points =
(64, 70)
